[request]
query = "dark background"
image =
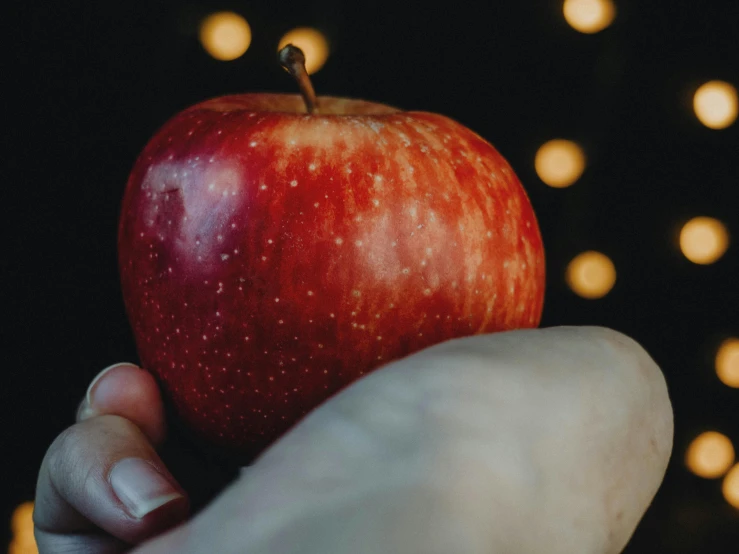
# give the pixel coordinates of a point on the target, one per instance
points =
(86, 85)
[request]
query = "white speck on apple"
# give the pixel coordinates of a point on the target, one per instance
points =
(293, 183)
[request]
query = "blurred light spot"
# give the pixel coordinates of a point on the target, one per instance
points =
(225, 35)
(716, 105)
(313, 44)
(703, 240)
(591, 275)
(559, 163)
(710, 455)
(23, 541)
(589, 16)
(730, 486)
(727, 362)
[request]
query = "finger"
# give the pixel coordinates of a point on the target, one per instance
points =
(130, 392)
(549, 440)
(103, 473)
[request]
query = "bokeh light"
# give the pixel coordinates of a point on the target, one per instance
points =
(559, 163)
(589, 16)
(591, 275)
(730, 486)
(703, 240)
(313, 44)
(710, 455)
(225, 35)
(727, 362)
(716, 104)
(21, 524)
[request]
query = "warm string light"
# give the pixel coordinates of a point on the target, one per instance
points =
(703, 240)
(591, 275)
(710, 455)
(313, 44)
(730, 486)
(589, 16)
(559, 163)
(21, 524)
(225, 35)
(716, 105)
(727, 362)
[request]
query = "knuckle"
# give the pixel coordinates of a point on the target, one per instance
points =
(69, 444)
(84, 443)
(65, 456)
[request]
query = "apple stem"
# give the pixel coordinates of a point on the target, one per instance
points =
(293, 59)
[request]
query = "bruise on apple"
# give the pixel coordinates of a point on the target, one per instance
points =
(269, 257)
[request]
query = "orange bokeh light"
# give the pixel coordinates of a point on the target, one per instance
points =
(710, 455)
(225, 35)
(559, 163)
(313, 44)
(591, 275)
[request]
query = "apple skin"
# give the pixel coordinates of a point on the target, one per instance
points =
(270, 257)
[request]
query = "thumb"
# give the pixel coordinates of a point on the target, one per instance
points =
(545, 440)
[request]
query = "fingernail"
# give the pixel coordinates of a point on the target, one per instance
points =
(87, 410)
(140, 487)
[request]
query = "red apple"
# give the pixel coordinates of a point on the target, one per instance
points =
(269, 257)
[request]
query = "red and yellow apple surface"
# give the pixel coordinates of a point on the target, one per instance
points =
(269, 256)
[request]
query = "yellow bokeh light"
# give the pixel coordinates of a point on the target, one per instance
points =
(703, 240)
(21, 524)
(589, 16)
(716, 104)
(559, 163)
(730, 486)
(591, 275)
(727, 362)
(225, 35)
(313, 44)
(710, 455)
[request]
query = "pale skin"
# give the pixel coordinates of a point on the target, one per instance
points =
(546, 440)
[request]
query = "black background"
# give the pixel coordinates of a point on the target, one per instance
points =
(86, 84)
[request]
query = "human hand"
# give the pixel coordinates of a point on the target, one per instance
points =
(548, 440)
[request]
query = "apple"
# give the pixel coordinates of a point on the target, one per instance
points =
(274, 248)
